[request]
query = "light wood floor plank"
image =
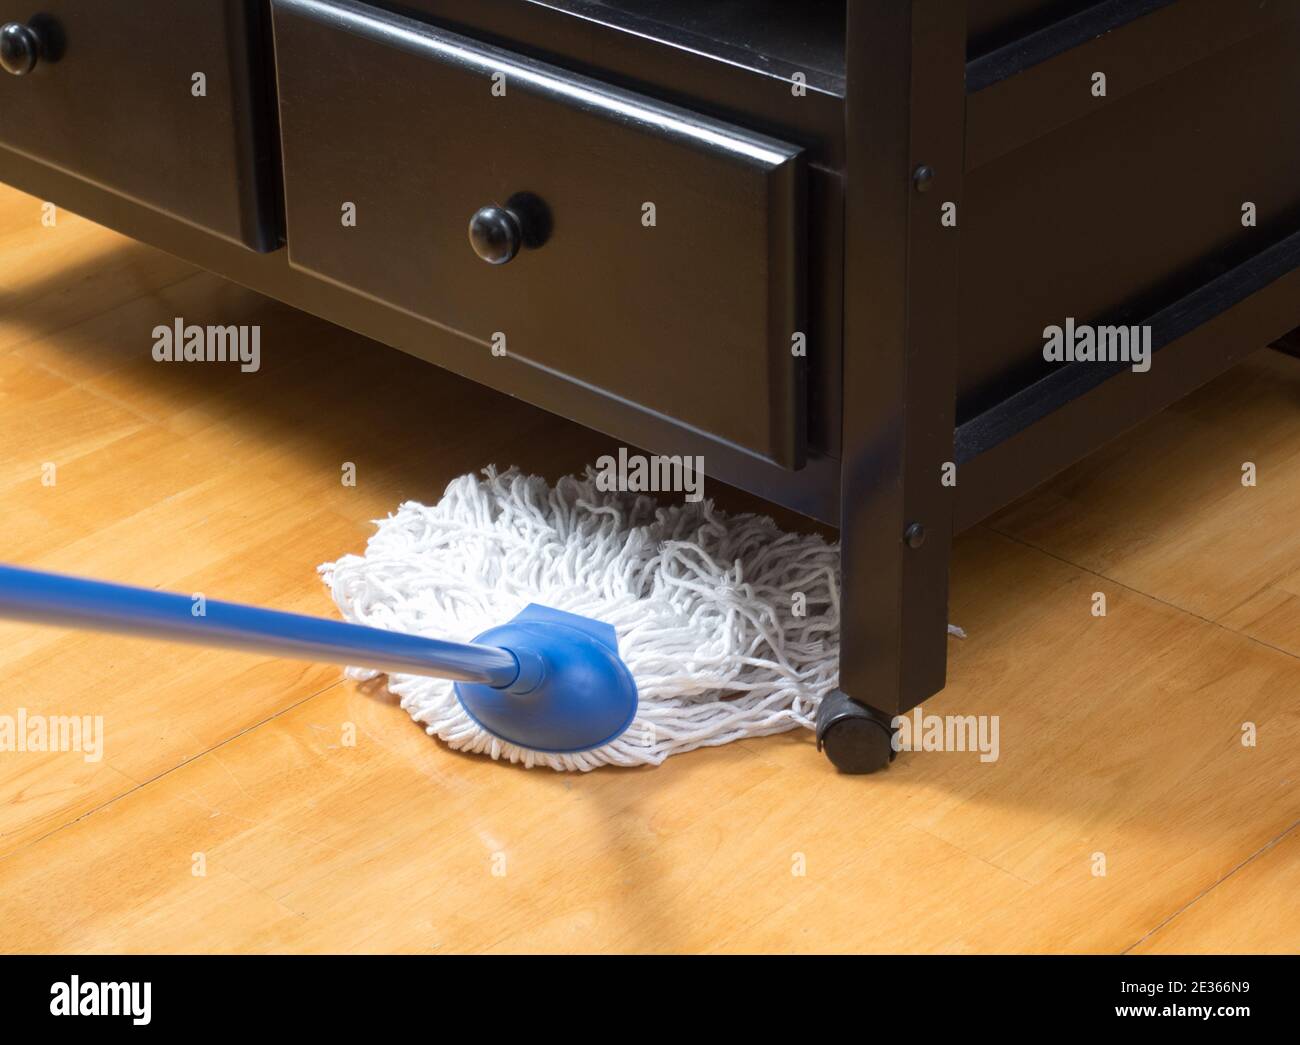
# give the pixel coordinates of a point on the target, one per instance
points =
(1251, 912)
(1164, 511)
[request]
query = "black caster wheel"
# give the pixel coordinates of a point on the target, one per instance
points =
(856, 739)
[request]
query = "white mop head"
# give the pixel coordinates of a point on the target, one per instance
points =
(729, 626)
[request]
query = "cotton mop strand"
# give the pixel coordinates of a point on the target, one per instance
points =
(729, 626)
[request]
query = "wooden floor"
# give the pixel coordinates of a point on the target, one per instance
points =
(1121, 736)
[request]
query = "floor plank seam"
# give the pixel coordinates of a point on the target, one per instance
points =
(1146, 595)
(167, 772)
(1272, 843)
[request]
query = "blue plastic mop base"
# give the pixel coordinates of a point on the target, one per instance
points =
(584, 698)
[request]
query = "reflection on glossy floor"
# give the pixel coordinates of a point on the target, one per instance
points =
(229, 813)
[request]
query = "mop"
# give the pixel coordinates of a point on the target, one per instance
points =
(729, 626)
(564, 626)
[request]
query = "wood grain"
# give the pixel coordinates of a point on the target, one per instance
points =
(232, 811)
(1251, 912)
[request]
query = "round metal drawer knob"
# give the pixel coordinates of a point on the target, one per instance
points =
(20, 48)
(496, 234)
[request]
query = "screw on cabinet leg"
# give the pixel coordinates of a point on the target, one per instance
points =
(856, 738)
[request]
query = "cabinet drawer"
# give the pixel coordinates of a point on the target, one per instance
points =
(663, 252)
(113, 98)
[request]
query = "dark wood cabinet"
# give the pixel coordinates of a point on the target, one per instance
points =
(920, 188)
(164, 103)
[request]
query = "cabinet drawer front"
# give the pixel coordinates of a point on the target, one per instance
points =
(669, 272)
(114, 99)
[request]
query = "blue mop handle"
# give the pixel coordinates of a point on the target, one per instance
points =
(52, 598)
